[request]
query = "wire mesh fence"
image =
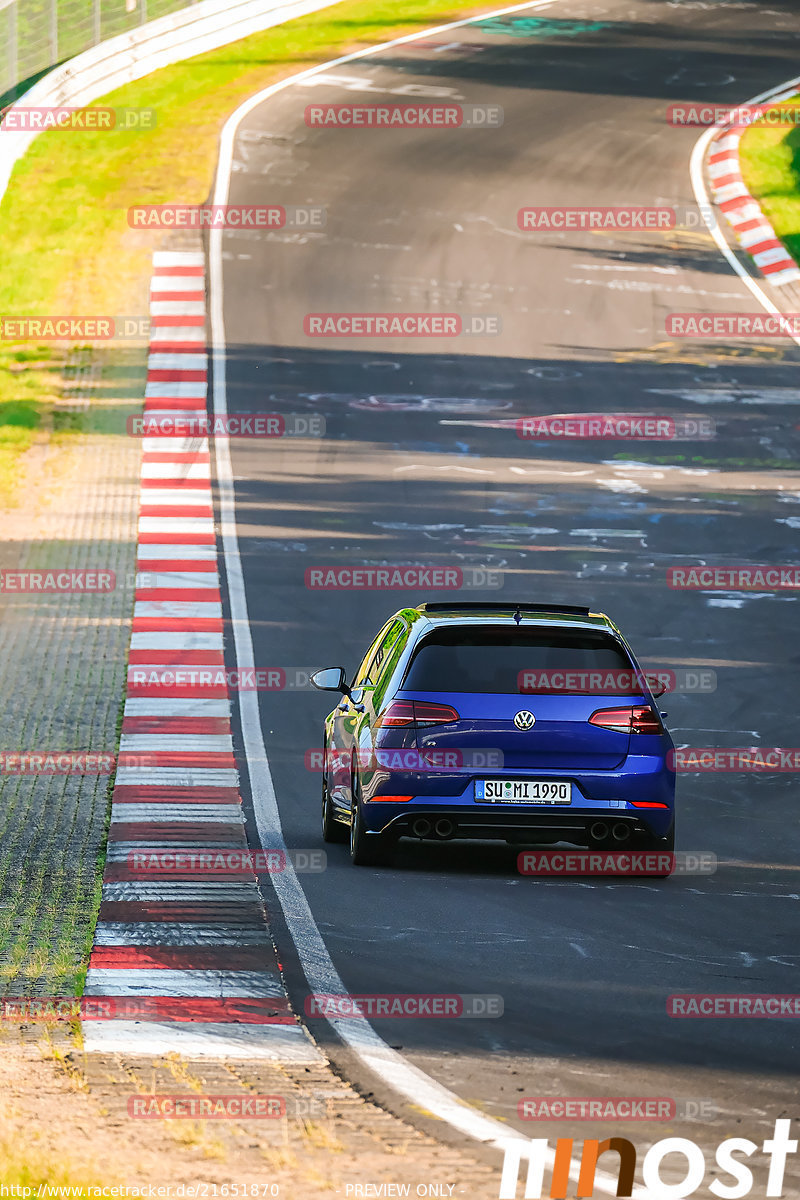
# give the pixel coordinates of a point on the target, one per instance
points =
(35, 35)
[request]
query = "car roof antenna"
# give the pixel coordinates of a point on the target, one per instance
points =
(518, 615)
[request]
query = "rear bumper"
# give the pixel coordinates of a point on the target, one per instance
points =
(522, 827)
(607, 796)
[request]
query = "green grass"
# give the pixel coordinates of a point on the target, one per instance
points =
(67, 246)
(26, 1162)
(770, 163)
(29, 383)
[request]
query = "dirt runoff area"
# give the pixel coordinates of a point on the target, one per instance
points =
(69, 1128)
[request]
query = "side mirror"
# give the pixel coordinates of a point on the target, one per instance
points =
(332, 679)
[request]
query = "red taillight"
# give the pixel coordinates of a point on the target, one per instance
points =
(641, 719)
(426, 713)
(399, 712)
(648, 804)
(417, 712)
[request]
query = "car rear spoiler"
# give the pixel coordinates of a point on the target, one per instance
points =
(478, 606)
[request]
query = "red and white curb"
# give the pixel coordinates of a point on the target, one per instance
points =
(193, 949)
(752, 229)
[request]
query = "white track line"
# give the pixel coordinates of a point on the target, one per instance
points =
(780, 92)
(419, 1089)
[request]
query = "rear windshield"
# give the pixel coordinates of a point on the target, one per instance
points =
(489, 659)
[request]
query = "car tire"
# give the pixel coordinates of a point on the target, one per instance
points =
(332, 830)
(366, 850)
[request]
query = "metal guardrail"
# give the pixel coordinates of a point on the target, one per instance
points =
(36, 35)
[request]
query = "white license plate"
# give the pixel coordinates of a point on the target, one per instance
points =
(522, 791)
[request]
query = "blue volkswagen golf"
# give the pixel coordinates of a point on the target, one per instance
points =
(530, 723)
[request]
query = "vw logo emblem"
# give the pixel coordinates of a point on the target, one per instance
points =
(524, 719)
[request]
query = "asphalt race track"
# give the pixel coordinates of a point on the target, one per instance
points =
(418, 467)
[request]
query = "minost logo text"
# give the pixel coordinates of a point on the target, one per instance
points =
(538, 1155)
